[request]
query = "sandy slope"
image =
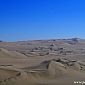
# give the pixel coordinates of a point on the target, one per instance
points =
(51, 62)
(10, 54)
(46, 73)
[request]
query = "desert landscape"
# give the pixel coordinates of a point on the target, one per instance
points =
(42, 42)
(42, 62)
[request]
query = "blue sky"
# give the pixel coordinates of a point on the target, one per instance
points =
(41, 19)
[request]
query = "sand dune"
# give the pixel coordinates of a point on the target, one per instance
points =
(50, 62)
(51, 72)
(10, 54)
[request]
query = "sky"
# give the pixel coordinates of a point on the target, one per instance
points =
(41, 19)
